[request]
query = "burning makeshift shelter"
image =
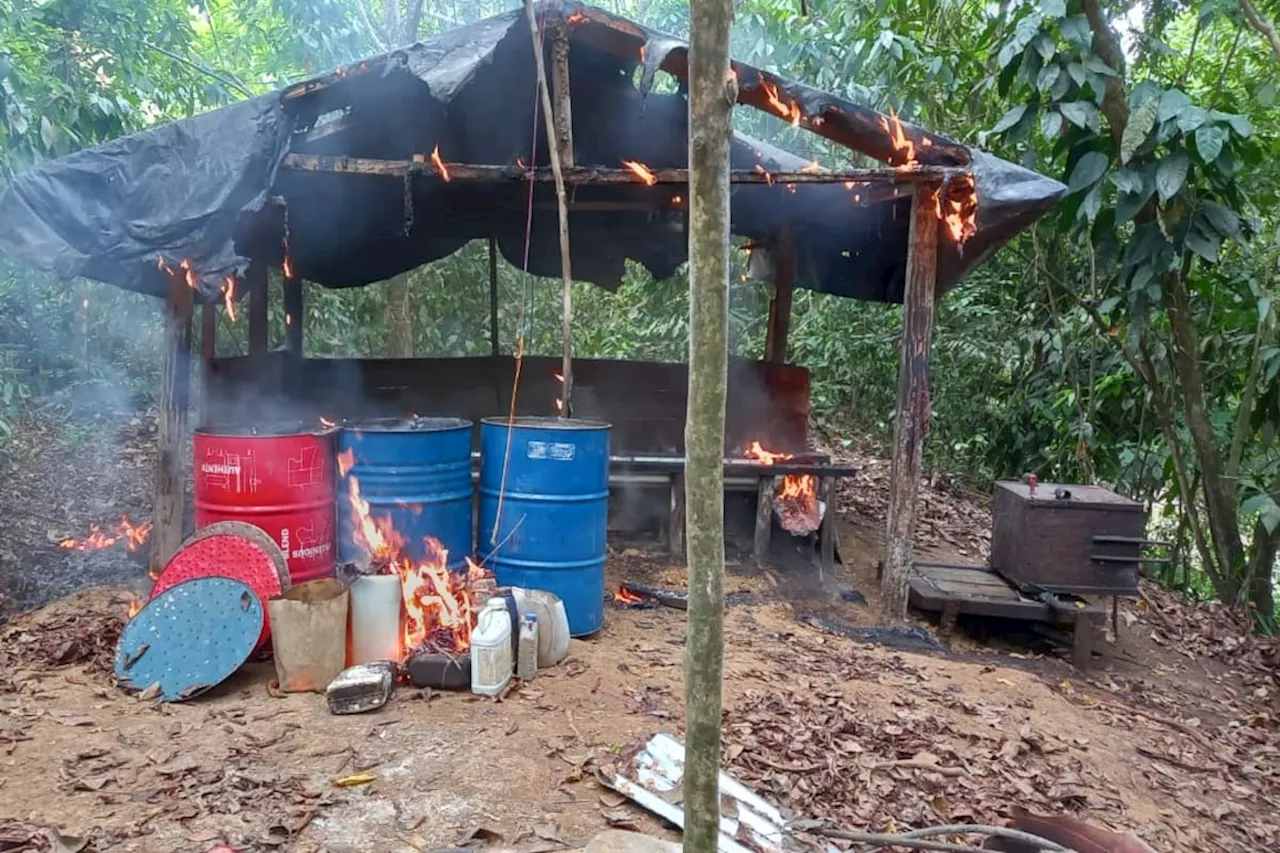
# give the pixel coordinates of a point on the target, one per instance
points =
(401, 159)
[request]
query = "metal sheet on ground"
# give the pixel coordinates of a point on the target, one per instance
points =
(189, 638)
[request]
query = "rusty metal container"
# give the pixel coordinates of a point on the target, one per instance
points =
(277, 478)
(1085, 540)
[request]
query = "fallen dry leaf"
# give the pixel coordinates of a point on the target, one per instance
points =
(353, 780)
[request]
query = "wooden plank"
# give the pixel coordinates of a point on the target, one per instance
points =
(175, 387)
(784, 279)
(257, 276)
(912, 421)
(462, 172)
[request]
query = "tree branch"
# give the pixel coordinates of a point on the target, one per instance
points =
(220, 76)
(1263, 26)
(1247, 398)
(1115, 105)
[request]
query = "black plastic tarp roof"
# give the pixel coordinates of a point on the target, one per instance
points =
(205, 189)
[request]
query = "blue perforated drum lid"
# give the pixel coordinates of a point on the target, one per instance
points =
(189, 638)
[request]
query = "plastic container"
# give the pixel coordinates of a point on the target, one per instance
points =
(553, 623)
(375, 619)
(527, 660)
(417, 473)
(279, 478)
(491, 661)
(544, 505)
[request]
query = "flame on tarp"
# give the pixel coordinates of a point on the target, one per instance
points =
(346, 459)
(641, 171)
(229, 297)
(795, 498)
(134, 536)
(958, 212)
(437, 604)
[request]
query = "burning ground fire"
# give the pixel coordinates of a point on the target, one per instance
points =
(796, 498)
(439, 607)
(134, 536)
(641, 171)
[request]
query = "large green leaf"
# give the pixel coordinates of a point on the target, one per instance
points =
(1053, 8)
(1204, 245)
(1097, 66)
(1051, 124)
(1224, 220)
(1172, 174)
(1076, 30)
(1209, 140)
(1048, 76)
(1082, 114)
(1138, 129)
(1191, 118)
(1172, 102)
(1009, 119)
(1088, 171)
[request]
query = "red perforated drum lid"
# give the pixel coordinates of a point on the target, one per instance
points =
(225, 556)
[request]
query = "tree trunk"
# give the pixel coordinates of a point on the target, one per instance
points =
(713, 91)
(399, 317)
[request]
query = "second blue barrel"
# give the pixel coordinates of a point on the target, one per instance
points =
(551, 512)
(414, 471)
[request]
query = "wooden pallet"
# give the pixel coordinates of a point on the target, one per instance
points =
(978, 591)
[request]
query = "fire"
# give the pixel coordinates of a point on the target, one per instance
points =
(577, 18)
(898, 138)
(796, 499)
(959, 212)
(641, 171)
(188, 274)
(328, 424)
(133, 535)
(438, 164)
(768, 176)
(229, 297)
(346, 459)
(815, 166)
(287, 266)
(626, 597)
(677, 200)
(439, 613)
(132, 608)
(789, 112)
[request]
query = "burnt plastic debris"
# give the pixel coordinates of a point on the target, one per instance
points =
(115, 212)
(361, 688)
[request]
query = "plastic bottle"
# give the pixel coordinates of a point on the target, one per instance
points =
(553, 623)
(491, 661)
(527, 661)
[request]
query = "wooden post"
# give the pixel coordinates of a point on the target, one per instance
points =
(493, 296)
(912, 421)
(257, 276)
(175, 389)
(208, 351)
(294, 318)
(563, 103)
(562, 203)
(764, 520)
(784, 279)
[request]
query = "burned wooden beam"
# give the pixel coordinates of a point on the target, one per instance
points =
(175, 388)
(583, 175)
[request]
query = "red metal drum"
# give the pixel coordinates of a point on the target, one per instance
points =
(280, 480)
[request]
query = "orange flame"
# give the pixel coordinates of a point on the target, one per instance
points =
(787, 111)
(768, 176)
(898, 138)
(437, 604)
(815, 166)
(757, 452)
(800, 490)
(641, 171)
(439, 165)
(328, 424)
(626, 596)
(132, 608)
(577, 18)
(677, 200)
(959, 212)
(133, 535)
(287, 266)
(346, 459)
(229, 297)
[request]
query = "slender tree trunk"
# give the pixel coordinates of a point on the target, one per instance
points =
(399, 317)
(713, 90)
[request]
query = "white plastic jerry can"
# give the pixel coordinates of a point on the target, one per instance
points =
(527, 657)
(491, 661)
(553, 623)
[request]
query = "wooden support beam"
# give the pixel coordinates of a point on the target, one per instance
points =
(493, 296)
(463, 172)
(294, 316)
(257, 276)
(208, 351)
(764, 520)
(175, 391)
(784, 280)
(560, 88)
(912, 423)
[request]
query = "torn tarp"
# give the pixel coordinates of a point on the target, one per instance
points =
(196, 189)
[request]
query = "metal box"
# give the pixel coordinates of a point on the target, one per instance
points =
(1085, 540)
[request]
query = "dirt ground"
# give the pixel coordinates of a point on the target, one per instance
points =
(1172, 734)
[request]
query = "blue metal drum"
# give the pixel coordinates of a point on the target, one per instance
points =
(414, 471)
(550, 534)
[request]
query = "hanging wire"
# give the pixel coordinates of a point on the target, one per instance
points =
(526, 300)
